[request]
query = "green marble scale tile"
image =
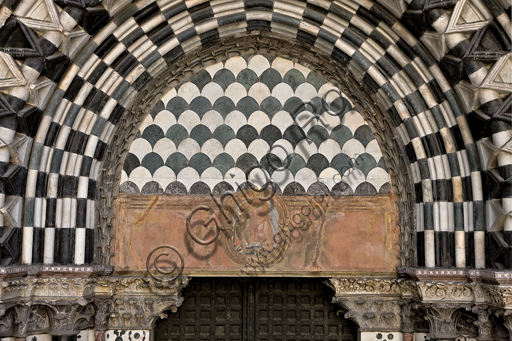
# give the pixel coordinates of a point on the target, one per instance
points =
(224, 78)
(177, 133)
(294, 78)
(201, 78)
(229, 118)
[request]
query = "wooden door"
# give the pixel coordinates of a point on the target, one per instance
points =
(256, 309)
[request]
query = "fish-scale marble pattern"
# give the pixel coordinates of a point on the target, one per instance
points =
(259, 119)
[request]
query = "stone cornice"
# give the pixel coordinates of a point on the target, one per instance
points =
(469, 275)
(63, 305)
(55, 270)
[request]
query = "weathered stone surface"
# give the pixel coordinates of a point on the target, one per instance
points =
(351, 234)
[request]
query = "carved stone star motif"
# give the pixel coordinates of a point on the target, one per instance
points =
(397, 7)
(32, 48)
(12, 211)
(40, 92)
(76, 3)
(469, 93)
(504, 112)
(436, 44)
(496, 183)
(5, 109)
(501, 246)
(43, 25)
(501, 215)
(473, 54)
(454, 27)
(20, 149)
(431, 4)
(9, 67)
(507, 146)
(73, 42)
(494, 151)
(114, 6)
(8, 244)
(489, 83)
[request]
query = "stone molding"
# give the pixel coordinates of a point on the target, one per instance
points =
(363, 98)
(65, 305)
(374, 303)
(451, 308)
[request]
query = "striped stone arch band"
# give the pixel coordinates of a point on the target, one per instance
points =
(439, 109)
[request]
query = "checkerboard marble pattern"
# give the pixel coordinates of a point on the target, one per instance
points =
(441, 69)
(261, 119)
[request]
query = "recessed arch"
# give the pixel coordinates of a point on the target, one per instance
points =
(146, 38)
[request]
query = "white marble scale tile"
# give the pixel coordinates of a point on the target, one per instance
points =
(220, 124)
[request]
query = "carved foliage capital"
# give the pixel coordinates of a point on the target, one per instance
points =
(372, 314)
(63, 306)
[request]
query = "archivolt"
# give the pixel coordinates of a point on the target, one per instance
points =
(148, 37)
(361, 96)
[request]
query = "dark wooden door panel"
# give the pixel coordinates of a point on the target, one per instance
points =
(297, 309)
(255, 309)
(212, 310)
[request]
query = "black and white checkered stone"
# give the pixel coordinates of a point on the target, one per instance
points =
(441, 144)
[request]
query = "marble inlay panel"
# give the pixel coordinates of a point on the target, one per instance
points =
(213, 131)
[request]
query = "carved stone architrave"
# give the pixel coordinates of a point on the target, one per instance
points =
(65, 305)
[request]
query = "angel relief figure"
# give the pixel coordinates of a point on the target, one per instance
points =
(255, 230)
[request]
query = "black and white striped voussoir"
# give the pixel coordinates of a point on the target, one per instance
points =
(113, 55)
(129, 51)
